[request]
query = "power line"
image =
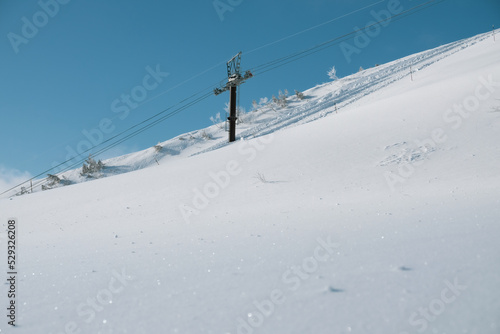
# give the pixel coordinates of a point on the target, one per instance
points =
(271, 65)
(314, 27)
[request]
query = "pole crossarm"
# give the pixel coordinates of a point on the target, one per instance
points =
(234, 77)
(233, 81)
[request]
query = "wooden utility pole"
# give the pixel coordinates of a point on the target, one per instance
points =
(234, 79)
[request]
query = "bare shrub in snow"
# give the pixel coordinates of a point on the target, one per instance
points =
(158, 148)
(92, 168)
(282, 102)
(205, 135)
(217, 121)
(262, 102)
(261, 177)
(299, 95)
(23, 191)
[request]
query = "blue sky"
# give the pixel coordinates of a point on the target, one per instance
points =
(68, 66)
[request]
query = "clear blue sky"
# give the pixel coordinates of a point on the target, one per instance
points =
(71, 72)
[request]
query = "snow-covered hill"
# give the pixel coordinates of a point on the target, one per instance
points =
(320, 101)
(371, 206)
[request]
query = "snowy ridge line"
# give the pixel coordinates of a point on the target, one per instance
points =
(353, 88)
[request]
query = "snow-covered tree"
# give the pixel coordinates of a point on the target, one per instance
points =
(92, 168)
(217, 121)
(332, 73)
(241, 114)
(255, 105)
(282, 102)
(53, 180)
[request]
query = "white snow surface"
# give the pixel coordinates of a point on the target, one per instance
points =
(371, 206)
